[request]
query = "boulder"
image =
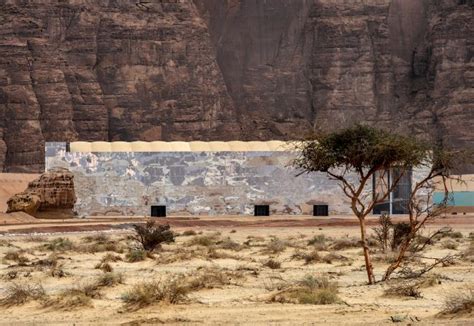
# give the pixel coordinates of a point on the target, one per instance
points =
(24, 202)
(51, 195)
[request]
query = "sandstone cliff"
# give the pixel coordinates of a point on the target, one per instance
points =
(223, 69)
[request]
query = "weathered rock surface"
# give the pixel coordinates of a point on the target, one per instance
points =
(223, 69)
(50, 194)
(24, 202)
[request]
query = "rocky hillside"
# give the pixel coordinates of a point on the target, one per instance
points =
(230, 69)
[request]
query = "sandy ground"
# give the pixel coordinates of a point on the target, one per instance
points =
(246, 299)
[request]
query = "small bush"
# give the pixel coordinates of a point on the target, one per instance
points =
(188, 233)
(58, 244)
(99, 238)
(453, 235)
(449, 244)
(152, 235)
(347, 243)
(209, 278)
(311, 258)
(109, 257)
(332, 256)
(229, 244)
(273, 264)
(405, 289)
(319, 239)
(109, 279)
(400, 232)
(206, 240)
(144, 294)
(468, 253)
(69, 299)
(16, 256)
(309, 290)
(276, 246)
(18, 294)
(459, 303)
(105, 267)
(135, 255)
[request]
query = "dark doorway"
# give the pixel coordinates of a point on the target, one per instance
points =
(320, 210)
(158, 211)
(262, 210)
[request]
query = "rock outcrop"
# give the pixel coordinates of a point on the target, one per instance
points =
(51, 195)
(230, 69)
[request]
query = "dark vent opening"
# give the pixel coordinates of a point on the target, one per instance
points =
(262, 210)
(158, 211)
(320, 210)
(68, 147)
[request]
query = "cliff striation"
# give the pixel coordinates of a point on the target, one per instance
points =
(230, 69)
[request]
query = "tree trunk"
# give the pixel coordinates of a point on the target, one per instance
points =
(368, 262)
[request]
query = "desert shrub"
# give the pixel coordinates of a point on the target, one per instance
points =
(276, 246)
(70, 299)
(459, 303)
(49, 262)
(468, 253)
(310, 290)
(144, 294)
(453, 235)
(18, 294)
(211, 277)
(273, 264)
(58, 244)
(386, 258)
(205, 240)
(346, 243)
(57, 271)
(188, 233)
(135, 255)
(312, 257)
(449, 244)
(332, 257)
(233, 231)
(318, 242)
(99, 238)
(109, 257)
(230, 244)
(400, 232)
(105, 267)
(109, 279)
(96, 247)
(383, 231)
(16, 256)
(152, 235)
(404, 289)
(35, 238)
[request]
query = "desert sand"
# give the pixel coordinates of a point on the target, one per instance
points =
(247, 290)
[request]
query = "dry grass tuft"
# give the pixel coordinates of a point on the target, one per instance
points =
(16, 256)
(18, 294)
(459, 303)
(109, 257)
(449, 244)
(109, 279)
(58, 244)
(105, 267)
(319, 242)
(229, 244)
(404, 289)
(189, 233)
(332, 257)
(205, 240)
(209, 278)
(347, 243)
(310, 290)
(144, 294)
(272, 264)
(312, 257)
(275, 246)
(135, 255)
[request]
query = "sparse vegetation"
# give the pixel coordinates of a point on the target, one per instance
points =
(152, 235)
(404, 289)
(205, 240)
(345, 243)
(18, 294)
(310, 290)
(16, 256)
(460, 303)
(449, 244)
(276, 246)
(272, 264)
(144, 294)
(58, 244)
(135, 254)
(109, 279)
(188, 233)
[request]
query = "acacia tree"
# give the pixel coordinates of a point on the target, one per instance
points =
(352, 157)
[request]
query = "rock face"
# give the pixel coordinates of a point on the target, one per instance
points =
(50, 195)
(24, 202)
(230, 69)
